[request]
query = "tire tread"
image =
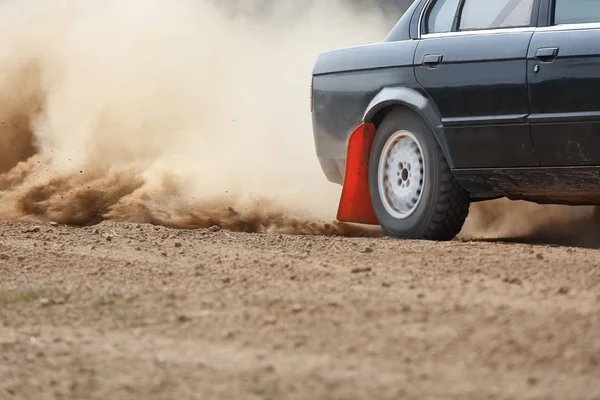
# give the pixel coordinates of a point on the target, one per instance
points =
(452, 208)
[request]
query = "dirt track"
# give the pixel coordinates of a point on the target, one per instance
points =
(127, 311)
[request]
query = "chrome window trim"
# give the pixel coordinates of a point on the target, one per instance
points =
(423, 11)
(569, 27)
(479, 32)
(467, 33)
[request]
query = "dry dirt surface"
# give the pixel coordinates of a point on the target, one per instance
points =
(126, 311)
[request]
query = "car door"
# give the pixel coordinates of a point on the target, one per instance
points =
(564, 84)
(471, 60)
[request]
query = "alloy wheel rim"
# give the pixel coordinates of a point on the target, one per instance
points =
(401, 174)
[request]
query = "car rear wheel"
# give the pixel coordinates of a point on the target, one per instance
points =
(414, 193)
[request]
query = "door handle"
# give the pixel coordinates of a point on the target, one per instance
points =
(433, 59)
(546, 54)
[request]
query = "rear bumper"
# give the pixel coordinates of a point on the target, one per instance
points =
(334, 169)
(331, 146)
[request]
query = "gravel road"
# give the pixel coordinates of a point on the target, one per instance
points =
(125, 311)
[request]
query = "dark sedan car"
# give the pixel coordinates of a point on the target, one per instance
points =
(463, 101)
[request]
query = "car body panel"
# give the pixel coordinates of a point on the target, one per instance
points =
(418, 101)
(340, 98)
(565, 105)
(480, 90)
(345, 81)
(405, 29)
(366, 57)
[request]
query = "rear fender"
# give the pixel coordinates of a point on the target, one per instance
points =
(418, 103)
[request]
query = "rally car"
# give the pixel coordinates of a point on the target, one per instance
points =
(463, 101)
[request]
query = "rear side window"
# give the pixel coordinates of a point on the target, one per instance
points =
(441, 16)
(576, 11)
(491, 14)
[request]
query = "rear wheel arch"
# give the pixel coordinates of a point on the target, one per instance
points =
(390, 99)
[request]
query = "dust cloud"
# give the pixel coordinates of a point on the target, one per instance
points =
(528, 222)
(188, 114)
(183, 113)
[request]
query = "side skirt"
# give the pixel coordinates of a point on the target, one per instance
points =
(545, 185)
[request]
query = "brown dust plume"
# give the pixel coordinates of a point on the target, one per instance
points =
(522, 221)
(175, 113)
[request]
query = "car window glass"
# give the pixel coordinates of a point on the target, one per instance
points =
(489, 14)
(441, 16)
(576, 11)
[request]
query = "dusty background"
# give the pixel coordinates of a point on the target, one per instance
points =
(165, 229)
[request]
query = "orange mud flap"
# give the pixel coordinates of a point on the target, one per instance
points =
(355, 201)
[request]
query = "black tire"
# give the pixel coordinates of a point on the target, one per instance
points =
(444, 204)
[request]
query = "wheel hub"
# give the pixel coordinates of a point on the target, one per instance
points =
(401, 174)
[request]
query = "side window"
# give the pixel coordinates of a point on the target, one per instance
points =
(576, 12)
(441, 16)
(490, 14)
